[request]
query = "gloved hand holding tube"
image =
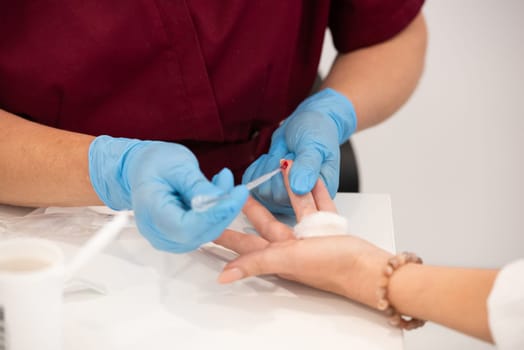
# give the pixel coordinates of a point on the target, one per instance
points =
(311, 136)
(158, 180)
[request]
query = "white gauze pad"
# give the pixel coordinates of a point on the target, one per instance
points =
(321, 223)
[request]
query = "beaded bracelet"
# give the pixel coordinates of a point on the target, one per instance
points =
(395, 318)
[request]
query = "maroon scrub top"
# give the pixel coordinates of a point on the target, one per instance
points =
(215, 75)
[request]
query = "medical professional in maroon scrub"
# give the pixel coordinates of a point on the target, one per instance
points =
(136, 104)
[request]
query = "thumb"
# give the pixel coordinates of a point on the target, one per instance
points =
(190, 182)
(224, 180)
(306, 170)
(261, 262)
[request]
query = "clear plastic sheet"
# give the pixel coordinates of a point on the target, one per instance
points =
(73, 225)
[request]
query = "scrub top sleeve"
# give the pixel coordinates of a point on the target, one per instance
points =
(506, 307)
(355, 24)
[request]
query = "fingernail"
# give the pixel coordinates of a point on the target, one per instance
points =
(231, 275)
(284, 164)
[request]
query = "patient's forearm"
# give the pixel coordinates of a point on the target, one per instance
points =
(42, 166)
(453, 297)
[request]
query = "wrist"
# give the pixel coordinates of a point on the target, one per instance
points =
(402, 286)
(107, 170)
(388, 292)
(337, 107)
(369, 272)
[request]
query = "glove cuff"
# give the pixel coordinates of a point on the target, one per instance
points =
(337, 106)
(107, 163)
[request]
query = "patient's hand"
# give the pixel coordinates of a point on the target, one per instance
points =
(345, 265)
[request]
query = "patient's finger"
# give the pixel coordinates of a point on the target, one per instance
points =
(265, 223)
(303, 205)
(241, 243)
(322, 198)
(272, 260)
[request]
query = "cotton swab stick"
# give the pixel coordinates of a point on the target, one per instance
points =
(202, 203)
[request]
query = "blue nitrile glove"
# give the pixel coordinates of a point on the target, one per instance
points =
(158, 180)
(311, 136)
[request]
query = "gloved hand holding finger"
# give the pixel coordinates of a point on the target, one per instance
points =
(311, 136)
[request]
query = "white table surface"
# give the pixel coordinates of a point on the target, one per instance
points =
(157, 300)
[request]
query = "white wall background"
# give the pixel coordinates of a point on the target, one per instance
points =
(451, 158)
